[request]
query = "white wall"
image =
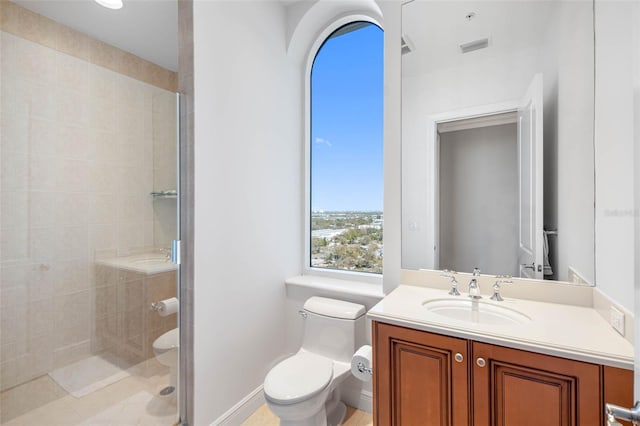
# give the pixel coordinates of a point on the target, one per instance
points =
(248, 159)
(569, 157)
(614, 134)
(479, 200)
(392, 13)
(499, 75)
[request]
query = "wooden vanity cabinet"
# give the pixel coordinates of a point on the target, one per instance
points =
(419, 378)
(514, 387)
(427, 379)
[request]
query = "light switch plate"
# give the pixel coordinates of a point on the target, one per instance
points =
(617, 320)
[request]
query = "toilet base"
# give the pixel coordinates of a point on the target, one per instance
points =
(332, 414)
(320, 419)
(336, 417)
(335, 409)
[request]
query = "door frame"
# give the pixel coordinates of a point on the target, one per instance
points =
(433, 163)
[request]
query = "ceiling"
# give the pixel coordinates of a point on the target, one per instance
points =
(437, 28)
(146, 28)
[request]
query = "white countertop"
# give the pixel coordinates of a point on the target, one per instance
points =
(573, 332)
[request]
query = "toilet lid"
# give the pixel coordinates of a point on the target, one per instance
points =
(298, 378)
(168, 340)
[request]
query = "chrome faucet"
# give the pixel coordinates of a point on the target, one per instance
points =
(474, 289)
(167, 253)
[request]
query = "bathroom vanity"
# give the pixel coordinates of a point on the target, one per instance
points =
(541, 364)
(126, 287)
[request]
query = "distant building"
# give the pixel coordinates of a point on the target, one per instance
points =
(326, 233)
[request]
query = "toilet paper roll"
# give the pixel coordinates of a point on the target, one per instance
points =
(361, 363)
(167, 306)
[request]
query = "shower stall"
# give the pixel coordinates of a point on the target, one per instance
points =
(88, 211)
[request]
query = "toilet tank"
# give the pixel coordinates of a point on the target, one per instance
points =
(331, 326)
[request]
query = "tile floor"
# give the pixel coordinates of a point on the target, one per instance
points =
(263, 417)
(128, 402)
(131, 401)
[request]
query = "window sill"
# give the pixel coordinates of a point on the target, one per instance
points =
(335, 285)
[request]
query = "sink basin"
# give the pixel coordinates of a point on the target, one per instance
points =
(475, 311)
(145, 263)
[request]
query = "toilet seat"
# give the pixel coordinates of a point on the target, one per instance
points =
(297, 378)
(166, 341)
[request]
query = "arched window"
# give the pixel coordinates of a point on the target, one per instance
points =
(346, 130)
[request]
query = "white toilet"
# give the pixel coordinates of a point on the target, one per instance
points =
(303, 389)
(165, 348)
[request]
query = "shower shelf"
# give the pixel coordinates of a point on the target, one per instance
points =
(165, 194)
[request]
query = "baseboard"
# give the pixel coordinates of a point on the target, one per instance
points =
(358, 398)
(242, 410)
(355, 397)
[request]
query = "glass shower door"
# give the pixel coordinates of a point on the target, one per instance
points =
(88, 210)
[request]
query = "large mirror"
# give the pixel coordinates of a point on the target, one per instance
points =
(497, 138)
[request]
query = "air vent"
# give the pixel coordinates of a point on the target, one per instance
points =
(406, 44)
(470, 46)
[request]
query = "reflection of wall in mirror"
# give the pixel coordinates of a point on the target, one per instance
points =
(502, 73)
(478, 200)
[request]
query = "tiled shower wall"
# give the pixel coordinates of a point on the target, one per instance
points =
(81, 146)
(165, 167)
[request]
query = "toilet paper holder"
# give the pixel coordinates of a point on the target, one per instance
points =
(166, 307)
(363, 368)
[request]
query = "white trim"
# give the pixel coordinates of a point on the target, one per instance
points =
(341, 275)
(242, 410)
(362, 400)
(315, 47)
(478, 122)
(348, 287)
(476, 111)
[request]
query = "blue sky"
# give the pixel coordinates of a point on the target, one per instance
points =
(346, 126)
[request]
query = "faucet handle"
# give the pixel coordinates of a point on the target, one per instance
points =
(504, 279)
(448, 273)
(501, 279)
(166, 251)
(476, 272)
(454, 282)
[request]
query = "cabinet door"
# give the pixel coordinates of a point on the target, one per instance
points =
(618, 388)
(420, 378)
(519, 388)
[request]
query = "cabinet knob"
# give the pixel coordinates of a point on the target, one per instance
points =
(481, 362)
(458, 357)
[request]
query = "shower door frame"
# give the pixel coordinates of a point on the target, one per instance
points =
(185, 275)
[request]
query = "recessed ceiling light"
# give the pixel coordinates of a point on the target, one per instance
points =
(110, 4)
